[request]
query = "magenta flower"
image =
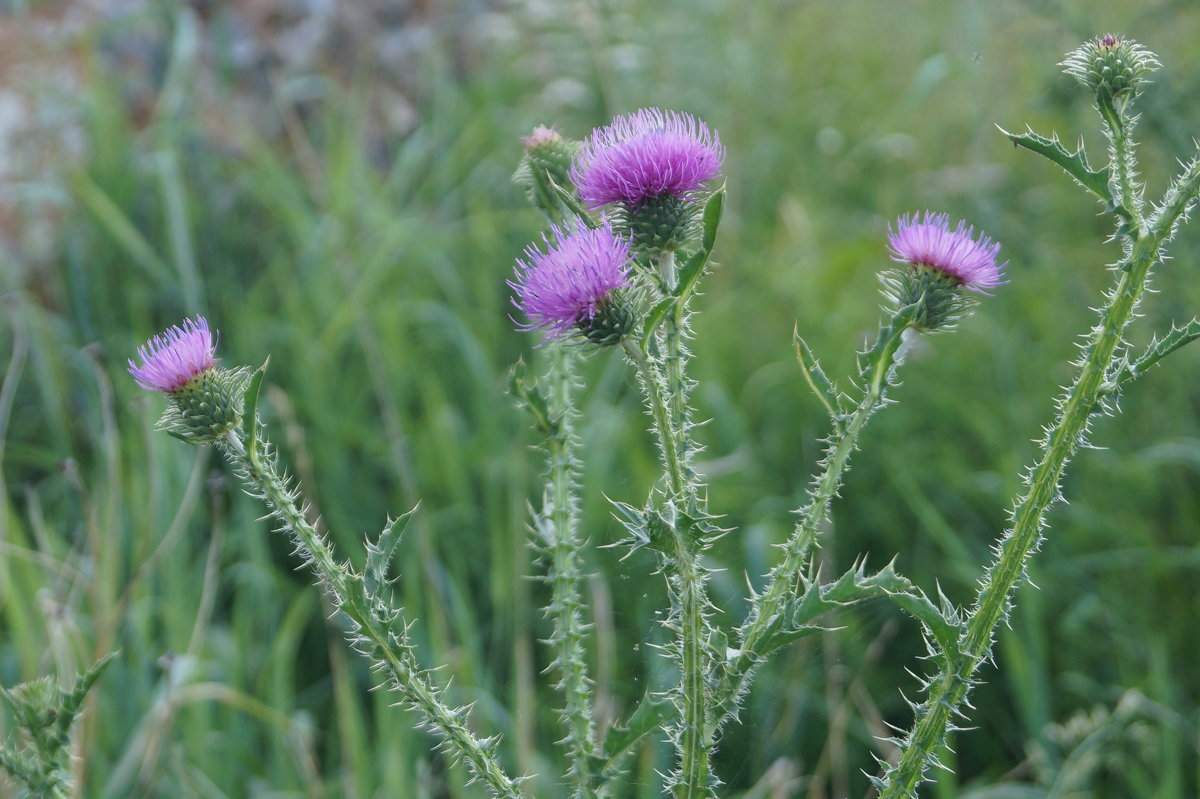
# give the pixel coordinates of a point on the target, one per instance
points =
(573, 282)
(645, 155)
(931, 243)
(173, 359)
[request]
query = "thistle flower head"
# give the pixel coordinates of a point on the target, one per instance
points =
(574, 284)
(939, 263)
(541, 136)
(205, 401)
(644, 156)
(174, 358)
(929, 242)
(1112, 67)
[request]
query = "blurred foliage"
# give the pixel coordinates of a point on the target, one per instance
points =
(368, 257)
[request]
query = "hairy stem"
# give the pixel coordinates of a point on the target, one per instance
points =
(652, 384)
(949, 690)
(694, 743)
(767, 607)
(675, 357)
(560, 510)
(372, 633)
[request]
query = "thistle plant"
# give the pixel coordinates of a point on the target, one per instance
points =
(633, 215)
(38, 755)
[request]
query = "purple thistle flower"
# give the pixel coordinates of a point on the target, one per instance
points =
(573, 281)
(173, 359)
(930, 242)
(644, 155)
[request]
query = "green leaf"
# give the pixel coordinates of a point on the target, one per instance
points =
(942, 623)
(531, 399)
(250, 412)
(645, 529)
(572, 202)
(380, 551)
(693, 268)
(1160, 348)
(73, 701)
(713, 210)
(1075, 163)
(654, 319)
(650, 715)
(816, 379)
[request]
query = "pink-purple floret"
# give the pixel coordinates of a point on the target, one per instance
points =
(569, 282)
(930, 242)
(645, 155)
(171, 360)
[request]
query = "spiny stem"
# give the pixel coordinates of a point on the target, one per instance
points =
(781, 585)
(652, 384)
(949, 690)
(569, 631)
(1125, 190)
(406, 675)
(694, 743)
(675, 357)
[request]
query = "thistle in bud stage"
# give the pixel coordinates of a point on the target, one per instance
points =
(577, 285)
(205, 401)
(651, 163)
(546, 167)
(1111, 67)
(941, 265)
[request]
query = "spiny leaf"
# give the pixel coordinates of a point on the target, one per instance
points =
(654, 319)
(645, 529)
(713, 210)
(689, 274)
(650, 714)
(73, 701)
(250, 414)
(380, 551)
(1075, 163)
(572, 202)
(814, 375)
(529, 397)
(1159, 348)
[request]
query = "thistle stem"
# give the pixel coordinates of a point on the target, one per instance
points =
(782, 583)
(652, 384)
(694, 743)
(675, 358)
(950, 689)
(375, 634)
(569, 630)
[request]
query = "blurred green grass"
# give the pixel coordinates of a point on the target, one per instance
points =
(372, 272)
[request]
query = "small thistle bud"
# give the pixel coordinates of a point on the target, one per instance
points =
(1111, 67)
(545, 165)
(651, 163)
(205, 402)
(940, 267)
(577, 286)
(35, 704)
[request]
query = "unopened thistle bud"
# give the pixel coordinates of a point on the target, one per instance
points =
(578, 286)
(1112, 67)
(545, 166)
(940, 267)
(205, 402)
(652, 164)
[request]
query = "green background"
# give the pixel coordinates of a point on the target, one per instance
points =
(369, 262)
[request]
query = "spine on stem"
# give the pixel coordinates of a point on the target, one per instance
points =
(378, 630)
(1113, 69)
(556, 537)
